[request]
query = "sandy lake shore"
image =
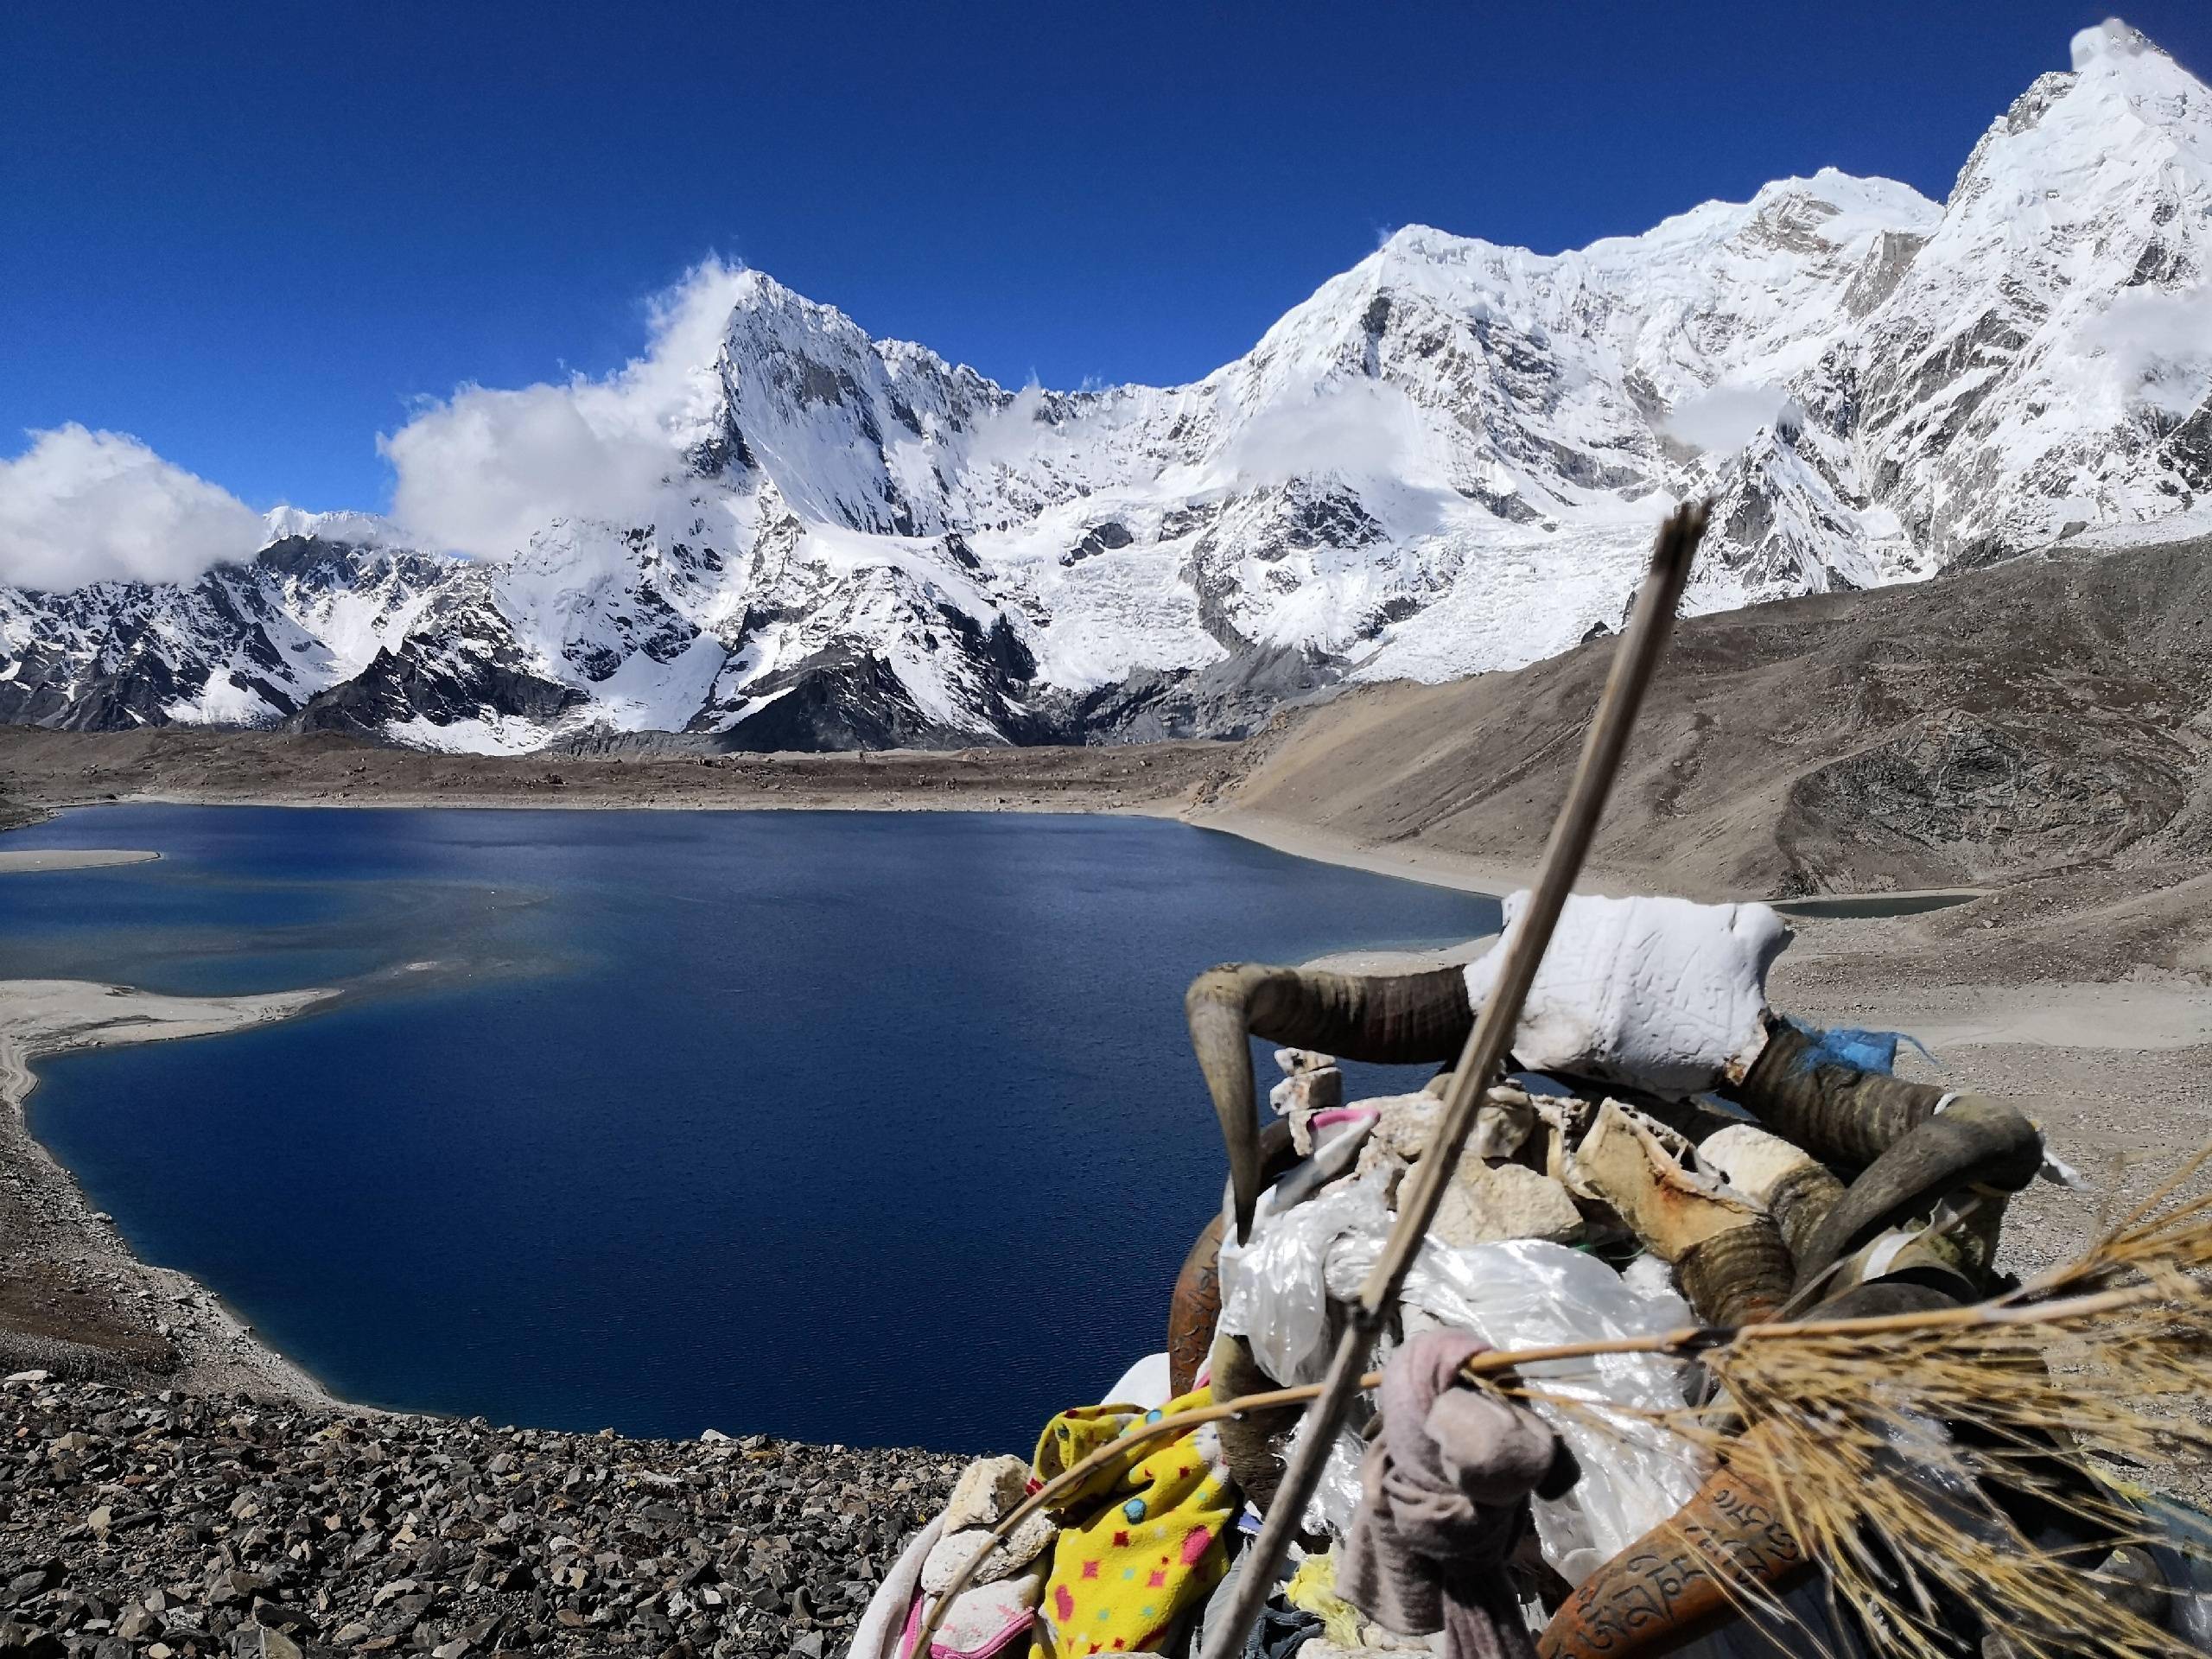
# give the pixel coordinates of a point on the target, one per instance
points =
(75, 1301)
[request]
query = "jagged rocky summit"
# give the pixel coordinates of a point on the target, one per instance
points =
(1450, 459)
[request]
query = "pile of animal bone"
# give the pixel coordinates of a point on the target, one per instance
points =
(1667, 1150)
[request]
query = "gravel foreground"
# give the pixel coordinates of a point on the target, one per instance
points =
(171, 1526)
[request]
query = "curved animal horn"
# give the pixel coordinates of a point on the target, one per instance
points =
(1728, 1254)
(1195, 1308)
(1392, 1019)
(1252, 1442)
(1838, 1112)
(1889, 1297)
(1973, 1142)
(1796, 1188)
(1738, 1276)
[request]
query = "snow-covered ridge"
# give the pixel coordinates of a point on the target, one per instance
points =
(1449, 459)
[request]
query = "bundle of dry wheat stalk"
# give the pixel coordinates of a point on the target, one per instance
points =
(1903, 1450)
(1907, 1454)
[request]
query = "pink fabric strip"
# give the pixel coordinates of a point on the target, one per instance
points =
(1337, 1115)
(998, 1643)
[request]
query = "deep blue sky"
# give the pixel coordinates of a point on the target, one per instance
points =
(251, 233)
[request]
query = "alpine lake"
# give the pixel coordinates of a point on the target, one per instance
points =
(871, 1129)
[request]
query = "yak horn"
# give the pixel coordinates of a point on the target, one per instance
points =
(1251, 1441)
(1195, 1307)
(1973, 1142)
(1391, 1020)
(1796, 1188)
(1727, 1251)
(1838, 1112)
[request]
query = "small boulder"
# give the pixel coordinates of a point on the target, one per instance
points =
(986, 1488)
(1403, 1124)
(138, 1624)
(955, 1549)
(1485, 1205)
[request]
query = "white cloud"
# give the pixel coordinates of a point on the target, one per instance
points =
(484, 470)
(1013, 435)
(2157, 343)
(81, 507)
(1728, 416)
(1353, 430)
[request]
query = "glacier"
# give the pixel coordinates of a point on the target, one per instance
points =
(1448, 460)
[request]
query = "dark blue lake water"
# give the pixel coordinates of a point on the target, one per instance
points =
(879, 1128)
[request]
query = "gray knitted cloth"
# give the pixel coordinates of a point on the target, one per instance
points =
(1444, 1499)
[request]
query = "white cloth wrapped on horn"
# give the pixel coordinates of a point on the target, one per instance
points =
(1663, 994)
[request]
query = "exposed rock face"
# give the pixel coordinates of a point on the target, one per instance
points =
(173, 1525)
(1448, 460)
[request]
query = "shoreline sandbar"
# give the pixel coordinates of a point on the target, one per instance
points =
(29, 860)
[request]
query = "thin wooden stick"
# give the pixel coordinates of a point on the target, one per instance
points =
(1634, 664)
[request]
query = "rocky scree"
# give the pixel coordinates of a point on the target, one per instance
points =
(177, 1527)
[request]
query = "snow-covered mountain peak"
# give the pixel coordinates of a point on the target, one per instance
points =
(2109, 45)
(2126, 106)
(851, 430)
(1447, 459)
(2039, 362)
(2164, 98)
(350, 529)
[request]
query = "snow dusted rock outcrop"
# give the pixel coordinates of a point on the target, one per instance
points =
(2041, 364)
(1449, 458)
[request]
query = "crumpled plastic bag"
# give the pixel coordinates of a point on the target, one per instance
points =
(1662, 993)
(1530, 1294)
(1522, 1294)
(1336, 1493)
(1271, 1290)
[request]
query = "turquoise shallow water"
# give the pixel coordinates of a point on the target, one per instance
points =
(879, 1128)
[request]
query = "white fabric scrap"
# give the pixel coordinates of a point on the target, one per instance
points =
(989, 1619)
(1145, 1384)
(882, 1627)
(1664, 995)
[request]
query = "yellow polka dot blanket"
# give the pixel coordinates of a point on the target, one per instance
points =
(1139, 1544)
